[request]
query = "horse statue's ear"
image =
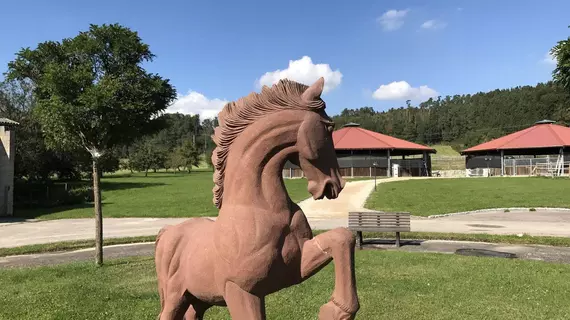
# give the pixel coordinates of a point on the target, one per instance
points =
(314, 91)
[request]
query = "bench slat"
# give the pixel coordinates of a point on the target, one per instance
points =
(380, 219)
(385, 227)
(401, 216)
(378, 213)
(402, 229)
(379, 225)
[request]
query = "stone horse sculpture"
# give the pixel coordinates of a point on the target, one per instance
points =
(261, 241)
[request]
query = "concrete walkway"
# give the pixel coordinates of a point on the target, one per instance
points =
(15, 234)
(322, 214)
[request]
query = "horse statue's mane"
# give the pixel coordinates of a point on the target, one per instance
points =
(236, 116)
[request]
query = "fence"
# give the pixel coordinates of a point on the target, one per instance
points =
(546, 166)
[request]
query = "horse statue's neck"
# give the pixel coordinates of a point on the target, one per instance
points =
(256, 160)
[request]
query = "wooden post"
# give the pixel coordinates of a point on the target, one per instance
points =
(98, 213)
(351, 164)
(389, 171)
(502, 163)
(360, 240)
(397, 239)
(370, 153)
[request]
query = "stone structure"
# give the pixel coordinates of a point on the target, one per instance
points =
(261, 241)
(7, 153)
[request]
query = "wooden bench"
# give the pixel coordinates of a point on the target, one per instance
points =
(379, 221)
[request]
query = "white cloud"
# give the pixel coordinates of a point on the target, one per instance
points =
(548, 59)
(401, 90)
(303, 71)
(392, 19)
(197, 103)
(433, 24)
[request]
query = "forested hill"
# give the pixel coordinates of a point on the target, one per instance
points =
(466, 120)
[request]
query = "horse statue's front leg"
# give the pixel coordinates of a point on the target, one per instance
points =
(336, 245)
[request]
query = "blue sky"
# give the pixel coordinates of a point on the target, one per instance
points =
(372, 53)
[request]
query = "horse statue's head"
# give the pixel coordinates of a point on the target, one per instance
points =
(315, 150)
(258, 133)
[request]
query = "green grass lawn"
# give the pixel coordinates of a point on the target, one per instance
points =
(158, 195)
(438, 196)
(391, 285)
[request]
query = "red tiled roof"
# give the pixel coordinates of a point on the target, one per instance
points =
(538, 136)
(352, 138)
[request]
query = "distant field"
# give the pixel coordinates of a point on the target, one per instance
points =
(439, 196)
(444, 150)
(446, 158)
(158, 195)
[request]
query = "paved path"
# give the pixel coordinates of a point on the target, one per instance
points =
(527, 252)
(322, 214)
(15, 234)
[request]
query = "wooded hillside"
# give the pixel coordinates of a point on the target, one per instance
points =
(466, 120)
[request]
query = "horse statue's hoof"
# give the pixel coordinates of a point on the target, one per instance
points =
(331, 311)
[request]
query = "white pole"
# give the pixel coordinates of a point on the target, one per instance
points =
(388, 172)
(562, 156)
(502, 163)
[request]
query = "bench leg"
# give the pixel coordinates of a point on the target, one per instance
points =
(360, 240)
(397, 239)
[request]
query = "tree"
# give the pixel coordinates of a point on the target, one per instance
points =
(561, 52)
(147, 154)
(175, 160)
(190, 154)
(92, 92)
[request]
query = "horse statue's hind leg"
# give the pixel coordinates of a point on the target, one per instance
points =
(336, 245)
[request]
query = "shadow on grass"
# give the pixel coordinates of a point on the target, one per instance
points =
(110, 186)
(403, 242)
(26, 213)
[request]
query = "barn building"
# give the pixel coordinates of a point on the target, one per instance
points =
(365, 153)
(7, 154)
(542, 149)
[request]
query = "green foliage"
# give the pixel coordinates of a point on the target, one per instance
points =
(175, 160)
(189, 154)
(91, 90)
(147, 154)
(561, 52)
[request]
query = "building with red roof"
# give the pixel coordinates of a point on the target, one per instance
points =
(365, 153)
(513, 154)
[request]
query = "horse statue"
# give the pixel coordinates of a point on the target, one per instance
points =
(261, 241)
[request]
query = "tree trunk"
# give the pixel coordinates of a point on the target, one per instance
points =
(98, 214)
(146, 173)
